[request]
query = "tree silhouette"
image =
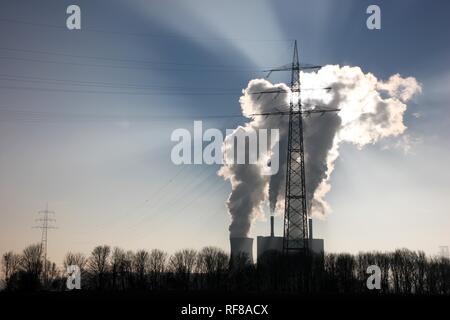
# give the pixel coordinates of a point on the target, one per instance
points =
(98, 265)
(157, 267)
(212, 262)
(141, 264)
(403, 271)
(77, 259)
(31, 266)
(10, 267)
(182, 264)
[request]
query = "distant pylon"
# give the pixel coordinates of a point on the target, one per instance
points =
(44, 226)
(444, 252)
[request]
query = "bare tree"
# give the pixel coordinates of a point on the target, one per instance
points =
(53, 273)
(420, 264)
(182, 264)
(31, 265)
(382, 260)
(127, 275)
(157, 267)
(77, 259)
(122, 268)
(10, 266)
(402, 267)
(98, 264)
(117, 265)
(212, 262)
(240, 271)
(442, 278)
(402, 271)
(31, 259)
(140, 266)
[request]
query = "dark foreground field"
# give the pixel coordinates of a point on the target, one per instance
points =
(169, 304)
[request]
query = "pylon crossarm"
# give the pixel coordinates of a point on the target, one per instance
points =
(286, 113)
(284, 91)
(289, 67)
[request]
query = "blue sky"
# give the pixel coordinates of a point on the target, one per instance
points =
(100, 154)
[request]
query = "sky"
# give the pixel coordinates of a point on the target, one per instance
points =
(86, 118)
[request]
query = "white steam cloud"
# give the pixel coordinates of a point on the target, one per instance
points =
(371, 109)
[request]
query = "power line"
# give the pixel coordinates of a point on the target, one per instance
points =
(66, 116)
(78, 64)
(135, 34)
(170, 206)
(153, 196)
(121, 59)
(36, 116)
(192, 185)
(163, 202)
(156, 89)
(59, 81)
(167, 203)
(137, 93)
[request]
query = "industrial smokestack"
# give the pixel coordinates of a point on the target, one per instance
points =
(272, 234)
(310, 228)
(242, 246)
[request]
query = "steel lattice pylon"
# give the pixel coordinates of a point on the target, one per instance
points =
(45, 225)
(296, 211)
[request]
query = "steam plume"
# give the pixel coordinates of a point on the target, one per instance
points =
(370, 110)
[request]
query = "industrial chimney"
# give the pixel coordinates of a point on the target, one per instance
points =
(242, 245)
(310, 233)
(272, 234)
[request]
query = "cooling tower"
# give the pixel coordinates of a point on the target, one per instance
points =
(242, 245)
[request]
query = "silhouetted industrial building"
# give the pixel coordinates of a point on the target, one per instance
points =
(272, 242)
(244, 245)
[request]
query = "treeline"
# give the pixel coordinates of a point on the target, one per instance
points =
(114, 269)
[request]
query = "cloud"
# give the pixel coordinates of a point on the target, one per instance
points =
(401, 88)
(370, 110)
(406, 144)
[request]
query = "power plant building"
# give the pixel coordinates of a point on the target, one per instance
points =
(272, 242)
(244, 246)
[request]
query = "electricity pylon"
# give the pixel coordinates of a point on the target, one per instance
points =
(44, 226)
(296, 208)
